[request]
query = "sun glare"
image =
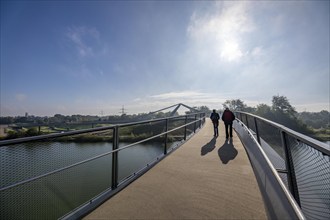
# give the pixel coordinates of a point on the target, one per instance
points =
(231, 51)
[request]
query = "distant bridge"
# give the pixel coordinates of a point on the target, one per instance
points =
(175, 110)
(265, 171)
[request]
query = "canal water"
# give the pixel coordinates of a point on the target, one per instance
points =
(57, 194)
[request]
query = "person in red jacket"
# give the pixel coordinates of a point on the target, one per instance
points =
(228, 117)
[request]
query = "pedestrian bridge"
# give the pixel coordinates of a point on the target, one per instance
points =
(206, 178)
(266, 171)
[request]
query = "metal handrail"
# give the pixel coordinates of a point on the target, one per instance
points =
(82, 131)
(96, 157)
(297, 149)
(290, 199)
(318, 145)
(41, 137)
(194, 121)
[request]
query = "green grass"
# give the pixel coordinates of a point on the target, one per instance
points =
(322, 134)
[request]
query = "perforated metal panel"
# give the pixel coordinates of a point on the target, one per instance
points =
(312, 170)
(308, 171)
(49, 178)
(50, 196)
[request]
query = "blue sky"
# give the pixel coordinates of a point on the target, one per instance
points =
(88, 57)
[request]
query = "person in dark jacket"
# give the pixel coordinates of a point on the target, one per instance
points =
(228, 117)
(215, 120)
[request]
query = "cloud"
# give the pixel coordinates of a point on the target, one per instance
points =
(83, 39)
(190, 98)
(257, 52)
(220, 33)
(178, 95)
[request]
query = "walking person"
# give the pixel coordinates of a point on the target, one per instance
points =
(228, 117)
(215, 120)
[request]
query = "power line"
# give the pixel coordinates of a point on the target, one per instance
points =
(122, 111)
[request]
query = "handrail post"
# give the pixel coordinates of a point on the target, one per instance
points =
(247, 122)
(257, 130)
(195, 123)
(292, 181)
(115, 158)
(165, 142)
(185, 128)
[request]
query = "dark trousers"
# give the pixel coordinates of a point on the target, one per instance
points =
(229, 126)
(215, 126)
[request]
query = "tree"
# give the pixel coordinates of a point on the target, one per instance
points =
(316, 119)
(31, 132)
(282, 104)
(6, 120)
(235, 105)
(204, 109)
(265, 111)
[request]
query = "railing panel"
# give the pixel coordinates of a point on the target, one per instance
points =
(243, 118)
(137, 132)
(251, 123)
(278, 201)
(190, 128)
(137, 157)
(178, 135)
(39, 157)
(312, 171)
(67, 174)
(272, 136)
(270, 140)
(50, 189)
(302, 162)
(53, 196)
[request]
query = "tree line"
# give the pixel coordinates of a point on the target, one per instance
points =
(62, 119)
(314, 124)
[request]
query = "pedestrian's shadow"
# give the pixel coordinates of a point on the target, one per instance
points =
(227, 151)
(207, 148)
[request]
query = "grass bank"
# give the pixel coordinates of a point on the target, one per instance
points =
(322, 134)
(90, 138)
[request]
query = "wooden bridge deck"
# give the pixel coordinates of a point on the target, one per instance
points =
(206, 178)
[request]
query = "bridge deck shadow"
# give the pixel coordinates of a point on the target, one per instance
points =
(206, 178)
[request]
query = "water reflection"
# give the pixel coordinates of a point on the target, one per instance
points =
(52, 196)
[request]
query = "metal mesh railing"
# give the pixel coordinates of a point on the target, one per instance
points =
(47, 177)
(302, 163)
(39, 181)
(312, 171)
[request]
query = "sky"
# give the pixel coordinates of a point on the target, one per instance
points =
(94, 57)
